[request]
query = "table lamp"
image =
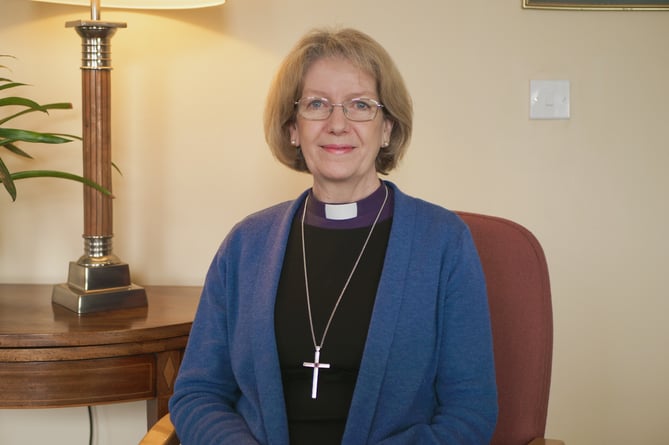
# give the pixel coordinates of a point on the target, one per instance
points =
(99, 280)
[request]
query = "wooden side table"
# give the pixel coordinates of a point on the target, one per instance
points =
(52, 357)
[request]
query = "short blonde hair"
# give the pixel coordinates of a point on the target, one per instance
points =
(367, 55)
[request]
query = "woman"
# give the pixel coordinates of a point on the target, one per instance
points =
(355, 314)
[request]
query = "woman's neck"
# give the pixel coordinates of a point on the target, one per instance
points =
(336, 193)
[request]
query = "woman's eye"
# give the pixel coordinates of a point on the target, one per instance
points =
(316, 104)
(360, 105)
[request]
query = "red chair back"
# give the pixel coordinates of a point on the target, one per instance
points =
(522, 323)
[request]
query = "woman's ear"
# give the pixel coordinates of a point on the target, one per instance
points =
(387, 130)
(294, 134)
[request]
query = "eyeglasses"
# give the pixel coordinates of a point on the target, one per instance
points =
(360, 109)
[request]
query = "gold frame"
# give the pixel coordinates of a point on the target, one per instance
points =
(598, 5)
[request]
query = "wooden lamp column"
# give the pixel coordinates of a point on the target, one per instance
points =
(98, 280)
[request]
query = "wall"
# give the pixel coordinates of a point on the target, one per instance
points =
(188, 94)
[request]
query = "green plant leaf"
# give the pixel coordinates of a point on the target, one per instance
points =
(58, 106)
(65, 135)
(22, 102)
(54, 174)
(7, 180)
(42, 108)
(11, 85)
(14, 135)
(16, 150)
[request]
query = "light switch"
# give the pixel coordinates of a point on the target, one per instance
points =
(549, 99)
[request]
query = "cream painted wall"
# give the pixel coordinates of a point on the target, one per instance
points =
(188, 94)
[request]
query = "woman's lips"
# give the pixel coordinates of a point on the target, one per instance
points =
(337, 148)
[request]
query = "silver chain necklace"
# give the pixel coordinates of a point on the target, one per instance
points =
(316, 364)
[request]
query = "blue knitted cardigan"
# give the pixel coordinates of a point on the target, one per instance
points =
(427, 372)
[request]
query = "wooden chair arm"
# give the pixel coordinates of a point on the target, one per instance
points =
(542, 441)
(162, 433)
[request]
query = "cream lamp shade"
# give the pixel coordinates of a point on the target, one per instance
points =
(142, 4)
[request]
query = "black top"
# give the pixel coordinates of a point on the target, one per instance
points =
(331, 254)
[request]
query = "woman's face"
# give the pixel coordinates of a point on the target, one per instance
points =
(339, 152)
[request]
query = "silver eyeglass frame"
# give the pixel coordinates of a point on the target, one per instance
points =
(332, 106)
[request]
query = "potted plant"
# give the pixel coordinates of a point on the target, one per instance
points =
(10, 137)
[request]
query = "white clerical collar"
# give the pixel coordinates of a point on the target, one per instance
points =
(350, 215)
(340, 212)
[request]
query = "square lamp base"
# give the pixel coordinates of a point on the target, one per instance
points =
(98, 288)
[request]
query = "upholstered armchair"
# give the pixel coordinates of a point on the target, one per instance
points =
(522, 323)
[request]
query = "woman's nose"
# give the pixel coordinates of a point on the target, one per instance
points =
(338, 121)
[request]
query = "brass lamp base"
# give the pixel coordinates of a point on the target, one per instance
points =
(98, 281)
(95, 288)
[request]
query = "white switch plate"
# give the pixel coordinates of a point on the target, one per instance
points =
(549, 99)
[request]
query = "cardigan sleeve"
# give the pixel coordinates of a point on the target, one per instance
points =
(466, 385)
(465, 408)
(206, 391)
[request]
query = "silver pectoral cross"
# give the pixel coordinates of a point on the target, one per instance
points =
(316, 365)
